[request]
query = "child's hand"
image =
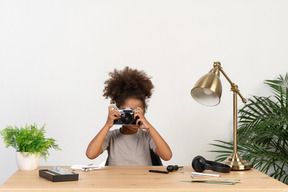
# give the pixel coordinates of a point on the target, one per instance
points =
(113, 114)
(144, 124)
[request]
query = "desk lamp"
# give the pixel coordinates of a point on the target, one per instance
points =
(207, 91)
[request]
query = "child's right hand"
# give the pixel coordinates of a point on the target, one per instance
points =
(113, 114)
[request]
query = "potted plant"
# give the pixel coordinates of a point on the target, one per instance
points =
(263, 132)
(30, 144)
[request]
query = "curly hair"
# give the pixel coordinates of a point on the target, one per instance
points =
(128, 83)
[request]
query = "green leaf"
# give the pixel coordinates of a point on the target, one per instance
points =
(263, 133)
(29, 139)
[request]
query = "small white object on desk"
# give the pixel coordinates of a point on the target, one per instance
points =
(195, 174)
(88, 167)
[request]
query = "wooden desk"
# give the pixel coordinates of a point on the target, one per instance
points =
(139, 179)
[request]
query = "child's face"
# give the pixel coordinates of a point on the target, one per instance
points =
(132, 103)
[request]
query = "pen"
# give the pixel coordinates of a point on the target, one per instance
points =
(157, 171)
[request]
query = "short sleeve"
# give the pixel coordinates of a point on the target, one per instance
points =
(152, 144)
(106, 141)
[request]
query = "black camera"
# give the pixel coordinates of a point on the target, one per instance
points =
(126, 117)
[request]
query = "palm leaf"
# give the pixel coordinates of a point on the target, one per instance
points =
(263, 132)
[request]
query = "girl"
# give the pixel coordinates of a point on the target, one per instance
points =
(131, 144)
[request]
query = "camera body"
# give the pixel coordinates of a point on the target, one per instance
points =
(126, 117)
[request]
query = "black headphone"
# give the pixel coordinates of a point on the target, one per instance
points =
(200, 164)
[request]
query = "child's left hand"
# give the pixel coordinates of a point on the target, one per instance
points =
(144, 124)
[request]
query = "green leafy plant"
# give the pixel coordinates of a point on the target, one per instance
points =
(263, 132)
(29, 139)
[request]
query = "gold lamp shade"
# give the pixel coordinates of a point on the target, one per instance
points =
(208, 89)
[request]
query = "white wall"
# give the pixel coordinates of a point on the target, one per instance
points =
(56, 55)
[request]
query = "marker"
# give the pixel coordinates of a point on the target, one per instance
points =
(157, 171)
(171, 168)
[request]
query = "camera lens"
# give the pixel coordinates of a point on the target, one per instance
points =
(126, 118)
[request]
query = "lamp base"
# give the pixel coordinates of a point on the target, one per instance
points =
(237, 163)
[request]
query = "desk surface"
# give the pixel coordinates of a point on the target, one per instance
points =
(140, 179)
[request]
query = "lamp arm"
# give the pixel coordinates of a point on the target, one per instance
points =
(234, 161)
(234, 87)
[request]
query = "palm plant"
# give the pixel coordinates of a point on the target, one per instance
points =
(263, 132)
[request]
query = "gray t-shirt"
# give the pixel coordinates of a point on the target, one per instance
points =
(128, 150)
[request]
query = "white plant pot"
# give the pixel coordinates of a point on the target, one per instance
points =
(27, 162)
